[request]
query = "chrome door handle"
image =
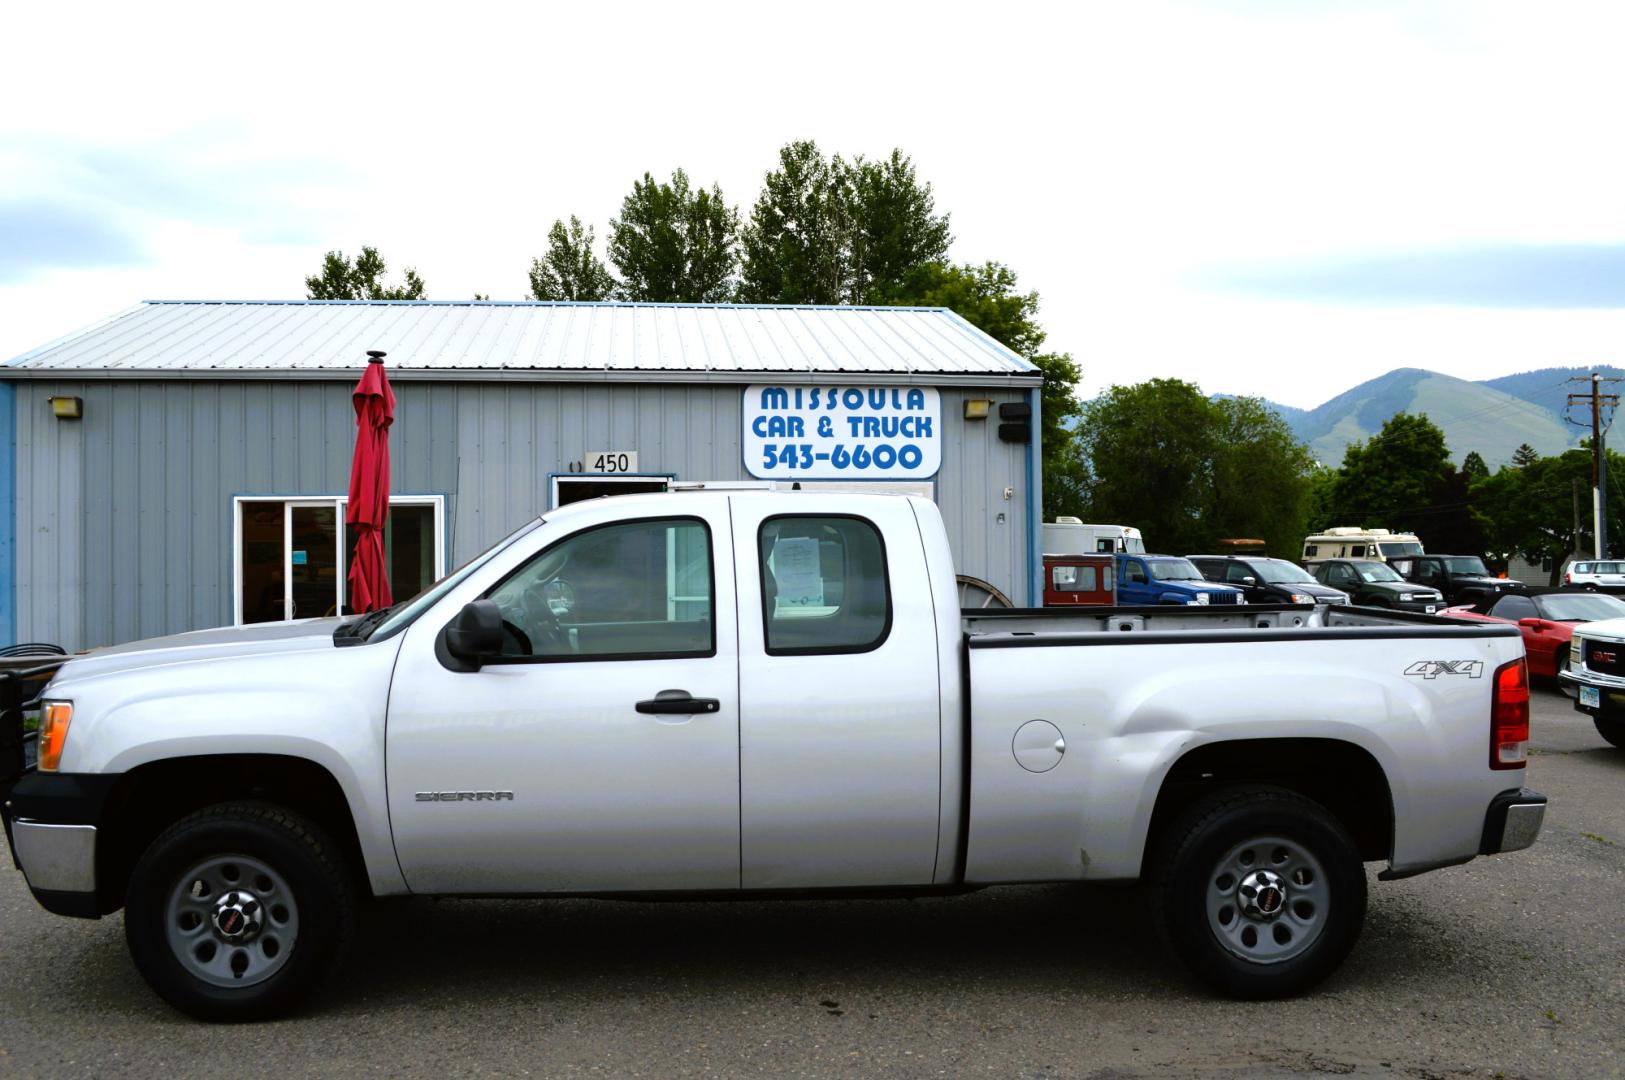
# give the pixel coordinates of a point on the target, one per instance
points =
(678, 701)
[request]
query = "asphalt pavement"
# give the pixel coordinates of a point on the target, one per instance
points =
(1510, 966)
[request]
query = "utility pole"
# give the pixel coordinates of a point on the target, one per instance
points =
(1599, 461)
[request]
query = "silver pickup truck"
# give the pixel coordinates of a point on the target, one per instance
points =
(766, 693)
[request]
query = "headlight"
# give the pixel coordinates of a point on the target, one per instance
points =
(1302, 598)
(1202, 598)
(1405, 597)
(53, 733)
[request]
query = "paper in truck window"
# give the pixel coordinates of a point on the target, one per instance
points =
(797, 573)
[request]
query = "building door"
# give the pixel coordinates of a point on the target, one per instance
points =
(569, 489)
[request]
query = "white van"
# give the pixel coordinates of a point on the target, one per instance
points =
(1358, 543)
(1070, 536)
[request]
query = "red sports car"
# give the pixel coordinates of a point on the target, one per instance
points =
(1546, 617)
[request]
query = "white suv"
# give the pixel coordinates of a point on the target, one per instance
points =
(1595, 575)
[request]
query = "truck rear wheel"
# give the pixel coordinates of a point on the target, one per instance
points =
(238, 911)
(1259, 892)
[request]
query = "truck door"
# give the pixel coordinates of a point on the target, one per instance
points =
(1134, 583)
(840, 735)
(601, 753)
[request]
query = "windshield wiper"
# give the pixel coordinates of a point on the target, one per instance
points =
(361, 629)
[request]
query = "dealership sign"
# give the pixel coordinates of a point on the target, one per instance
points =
(842, 432)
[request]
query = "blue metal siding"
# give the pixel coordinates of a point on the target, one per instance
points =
(124, 523)
(8, 514)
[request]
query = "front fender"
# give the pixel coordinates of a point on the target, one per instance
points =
(325, 705)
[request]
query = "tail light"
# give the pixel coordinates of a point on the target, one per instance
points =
(1509, 716)
(1568, 579)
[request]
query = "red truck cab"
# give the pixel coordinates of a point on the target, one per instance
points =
(1080, 579)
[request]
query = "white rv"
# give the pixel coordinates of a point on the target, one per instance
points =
(1070, 536)
(1360, 543)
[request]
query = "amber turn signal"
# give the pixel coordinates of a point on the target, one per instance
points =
(53, 733)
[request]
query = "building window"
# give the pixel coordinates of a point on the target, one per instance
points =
(288, 554)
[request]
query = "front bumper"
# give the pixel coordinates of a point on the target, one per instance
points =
(1610, 692)
(1513, 821)
(51, 821)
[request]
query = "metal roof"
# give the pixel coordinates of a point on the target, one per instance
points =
(458, 340)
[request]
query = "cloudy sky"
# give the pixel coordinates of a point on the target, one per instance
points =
(1273, 197)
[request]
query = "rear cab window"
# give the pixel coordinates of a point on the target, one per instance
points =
(825, 587)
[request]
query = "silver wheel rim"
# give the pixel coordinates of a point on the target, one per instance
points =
(1268, 900)
(231, 920)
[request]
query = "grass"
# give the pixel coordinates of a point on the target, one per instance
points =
(1599, 839)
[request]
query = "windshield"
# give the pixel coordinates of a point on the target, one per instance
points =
(1134, 545)
(1394, 551)
(1579, 607)
(1174, 570)
(404, 614)
(1281, 572)
(1376, 571)
(1463, 564)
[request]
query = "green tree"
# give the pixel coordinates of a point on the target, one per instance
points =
(895, 227)
(1150, 450)
(1261, 476)
(674, 243)
(1524, 455)
(570, 270)
(829, 231)
(1189, 471)
(797, 244)
(1391, 480)
(987, 297)
(1530, 511)
(362, 279)
(1473, 467)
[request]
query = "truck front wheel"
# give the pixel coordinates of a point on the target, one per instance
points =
(238, 911)
(1259, 892)
(1611, 729)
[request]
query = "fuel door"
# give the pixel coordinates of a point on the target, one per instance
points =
(1038, 746)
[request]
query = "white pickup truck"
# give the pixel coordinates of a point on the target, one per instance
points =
(766, 693)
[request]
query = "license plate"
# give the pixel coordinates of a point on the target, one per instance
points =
(1591, 697)
(1430, 607)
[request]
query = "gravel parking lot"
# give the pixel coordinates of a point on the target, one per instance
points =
(1509, 966)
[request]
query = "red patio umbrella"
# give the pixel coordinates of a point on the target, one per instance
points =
(369, 487)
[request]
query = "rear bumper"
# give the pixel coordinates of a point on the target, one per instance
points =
(1513, 821)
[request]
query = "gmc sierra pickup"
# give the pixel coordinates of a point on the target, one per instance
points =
(767, 693)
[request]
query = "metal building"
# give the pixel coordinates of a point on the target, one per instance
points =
(183, 464)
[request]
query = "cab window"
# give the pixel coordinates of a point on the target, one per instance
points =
(1134, 572)
(632, 590)
(824, 585)
(1075, 579)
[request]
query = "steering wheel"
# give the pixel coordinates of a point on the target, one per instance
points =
(540, 606)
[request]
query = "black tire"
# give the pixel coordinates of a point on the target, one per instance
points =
(1560, 663)
(1192, 861)
(302, 863)
(1611, 729)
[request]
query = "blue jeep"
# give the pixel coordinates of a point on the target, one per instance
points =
(1167, 579)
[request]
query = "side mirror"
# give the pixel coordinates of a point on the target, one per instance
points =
(1533, 623)
(475, 635)
(1249, 580)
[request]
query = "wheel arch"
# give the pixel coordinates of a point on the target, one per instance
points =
(1339, 775)
(150, 797)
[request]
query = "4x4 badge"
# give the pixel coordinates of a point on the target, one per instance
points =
(1432, 669)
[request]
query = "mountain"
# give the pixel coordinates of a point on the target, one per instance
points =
(1492, 417)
